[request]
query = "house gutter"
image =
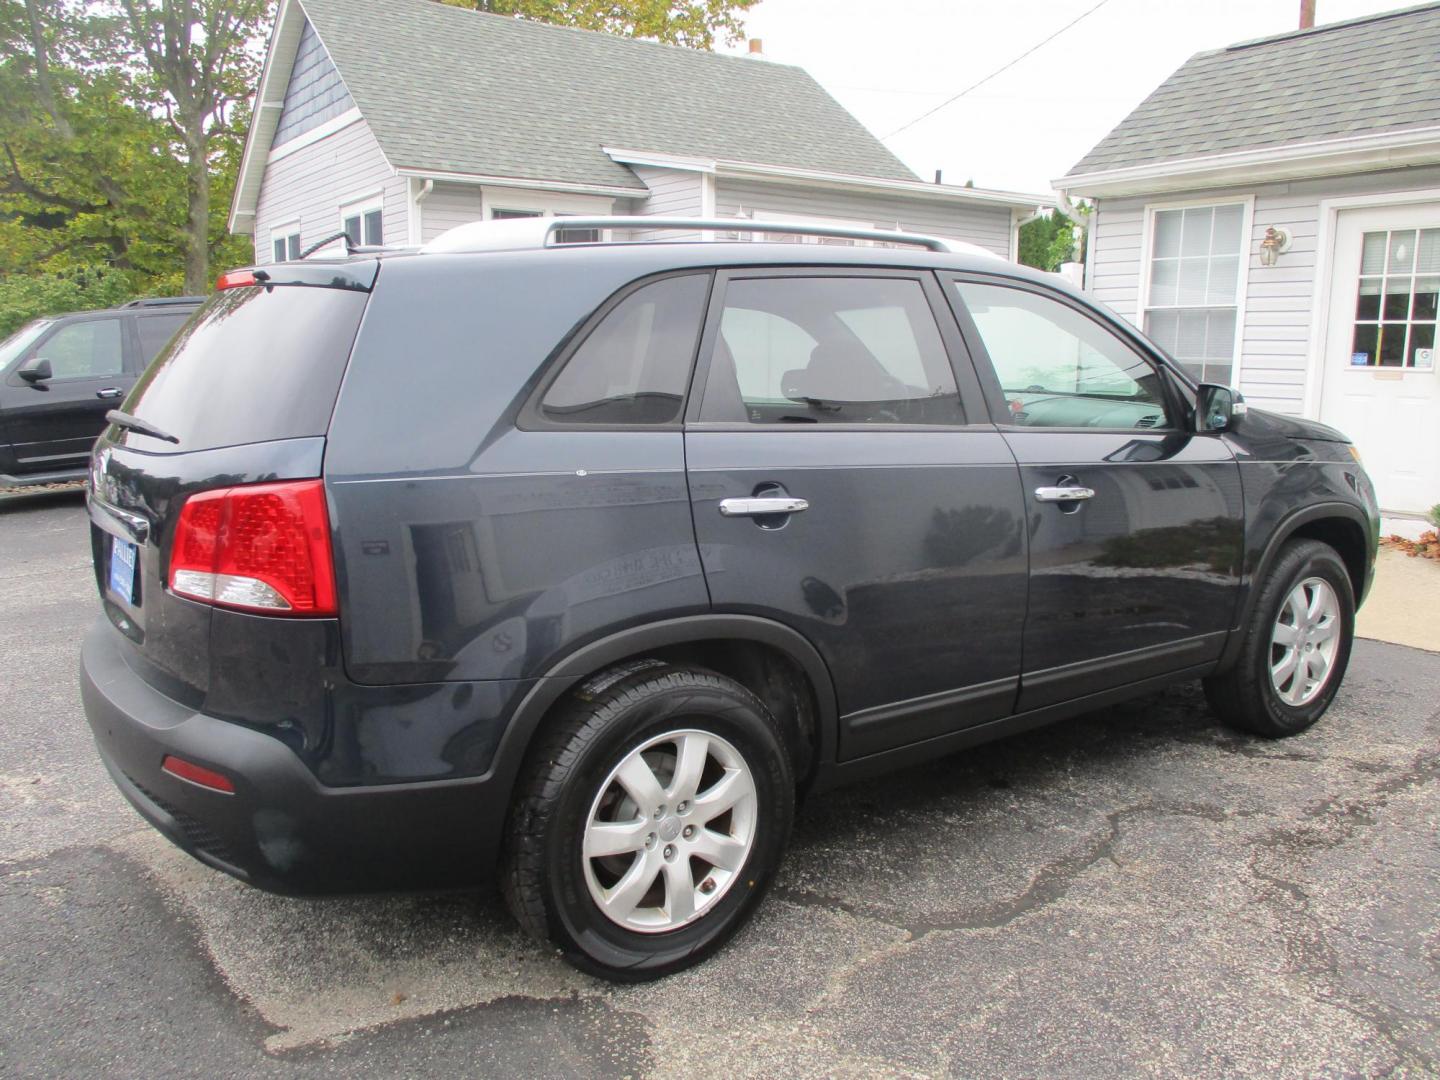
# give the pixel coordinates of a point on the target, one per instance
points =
(1326, 157)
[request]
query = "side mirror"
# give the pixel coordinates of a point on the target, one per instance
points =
(795, 385)
(36, 369)
(1217, 408)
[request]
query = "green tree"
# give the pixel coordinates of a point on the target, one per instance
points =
(1049, 241)
(696, 24)
(199, 64)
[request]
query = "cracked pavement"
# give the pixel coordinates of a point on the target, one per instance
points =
(1137, 892)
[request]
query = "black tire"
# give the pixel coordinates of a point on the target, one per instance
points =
(1245, 697)
(598, 727)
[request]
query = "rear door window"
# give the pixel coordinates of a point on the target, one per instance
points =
(254, 364)
(155, 331)
(830, 350)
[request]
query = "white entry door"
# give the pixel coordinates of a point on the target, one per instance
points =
(1381, 383)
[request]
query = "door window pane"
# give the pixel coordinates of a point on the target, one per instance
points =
(1395, 311)
(633, 367)
(85, 350)
(830, 350)
(1058, 367)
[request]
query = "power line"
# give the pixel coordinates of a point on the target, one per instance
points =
(998, 71)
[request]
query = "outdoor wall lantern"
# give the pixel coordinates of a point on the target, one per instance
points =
(1275, 244)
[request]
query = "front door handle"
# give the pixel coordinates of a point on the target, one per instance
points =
(110, 392)
(1063, 494)
(759, 505)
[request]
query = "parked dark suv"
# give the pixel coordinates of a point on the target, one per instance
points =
(576, 564)
(60, 374)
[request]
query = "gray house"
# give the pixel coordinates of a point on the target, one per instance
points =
(1271, 215)
(395, 120)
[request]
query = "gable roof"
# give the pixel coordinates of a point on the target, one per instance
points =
(1358, 79)
(453, 90)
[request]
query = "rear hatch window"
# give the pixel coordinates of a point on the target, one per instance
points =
(254, 364)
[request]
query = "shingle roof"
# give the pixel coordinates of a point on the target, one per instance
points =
(460, 91)
(1380, 73)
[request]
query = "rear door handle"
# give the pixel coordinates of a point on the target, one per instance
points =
(1063, 494)
(110, 392)
(762, 504)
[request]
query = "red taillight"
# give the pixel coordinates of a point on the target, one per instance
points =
(235, 279)
(197, 774)
(262, 547)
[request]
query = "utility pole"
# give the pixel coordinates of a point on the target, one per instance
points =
(1307, 14)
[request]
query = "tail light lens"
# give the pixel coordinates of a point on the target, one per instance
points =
(262, 547)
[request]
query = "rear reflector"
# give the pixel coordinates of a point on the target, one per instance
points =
(235, 279)
(197, 774)
(262, 547)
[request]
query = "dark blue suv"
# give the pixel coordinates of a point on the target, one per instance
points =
(573, 565)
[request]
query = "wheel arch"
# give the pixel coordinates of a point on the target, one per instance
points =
(1342, 526)
(702, 639)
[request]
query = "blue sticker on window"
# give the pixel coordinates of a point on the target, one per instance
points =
(1360, 359)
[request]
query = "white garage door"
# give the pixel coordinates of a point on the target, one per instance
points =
(1381, 385)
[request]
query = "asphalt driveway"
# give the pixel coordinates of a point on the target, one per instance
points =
(1135, 892)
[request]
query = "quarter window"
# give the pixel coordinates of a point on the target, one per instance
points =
(1059, 368)
(633, 367)
(85, 350)
(1194, 287)
(830, 350)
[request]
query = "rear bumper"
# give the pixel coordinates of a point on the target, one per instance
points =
(281, 830)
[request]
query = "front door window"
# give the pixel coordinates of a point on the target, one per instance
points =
(1395, 310)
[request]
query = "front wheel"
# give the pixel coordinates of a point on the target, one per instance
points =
(1296, 645)
(650, 820)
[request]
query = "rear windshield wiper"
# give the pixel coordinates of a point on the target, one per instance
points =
(141, 427)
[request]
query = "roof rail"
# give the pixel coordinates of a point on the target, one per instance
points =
(162, 301)
(528, 233)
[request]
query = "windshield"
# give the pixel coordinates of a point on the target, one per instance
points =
(21, 340)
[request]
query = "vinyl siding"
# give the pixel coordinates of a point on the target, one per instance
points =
(449, 205)
(673, 193)
(989, 227)
(316, 92)
(1279, 300)
(310, 184)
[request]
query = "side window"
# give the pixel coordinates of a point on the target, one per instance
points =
(836, 350)
(1059, 368)
(155, 331)
(85, 350)
(633, 366)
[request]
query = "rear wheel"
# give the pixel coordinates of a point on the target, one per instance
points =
(649, 821)
(1296, 645)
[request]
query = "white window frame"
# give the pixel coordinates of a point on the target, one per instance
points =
(285, 231)
(544, 204)
(362, 205)
(1242, 281)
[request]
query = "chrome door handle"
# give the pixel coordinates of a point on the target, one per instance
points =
(110, 392)
(1063, 494)
(763, 504)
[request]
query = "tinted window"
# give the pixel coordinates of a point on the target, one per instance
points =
(85, 350)
(1059, 368)
(830, 350)
(155, 331)
(633, 367)
(253, 364)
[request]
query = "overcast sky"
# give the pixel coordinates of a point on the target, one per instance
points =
(888, 61)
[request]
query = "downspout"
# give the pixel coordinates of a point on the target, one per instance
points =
(417, 235)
